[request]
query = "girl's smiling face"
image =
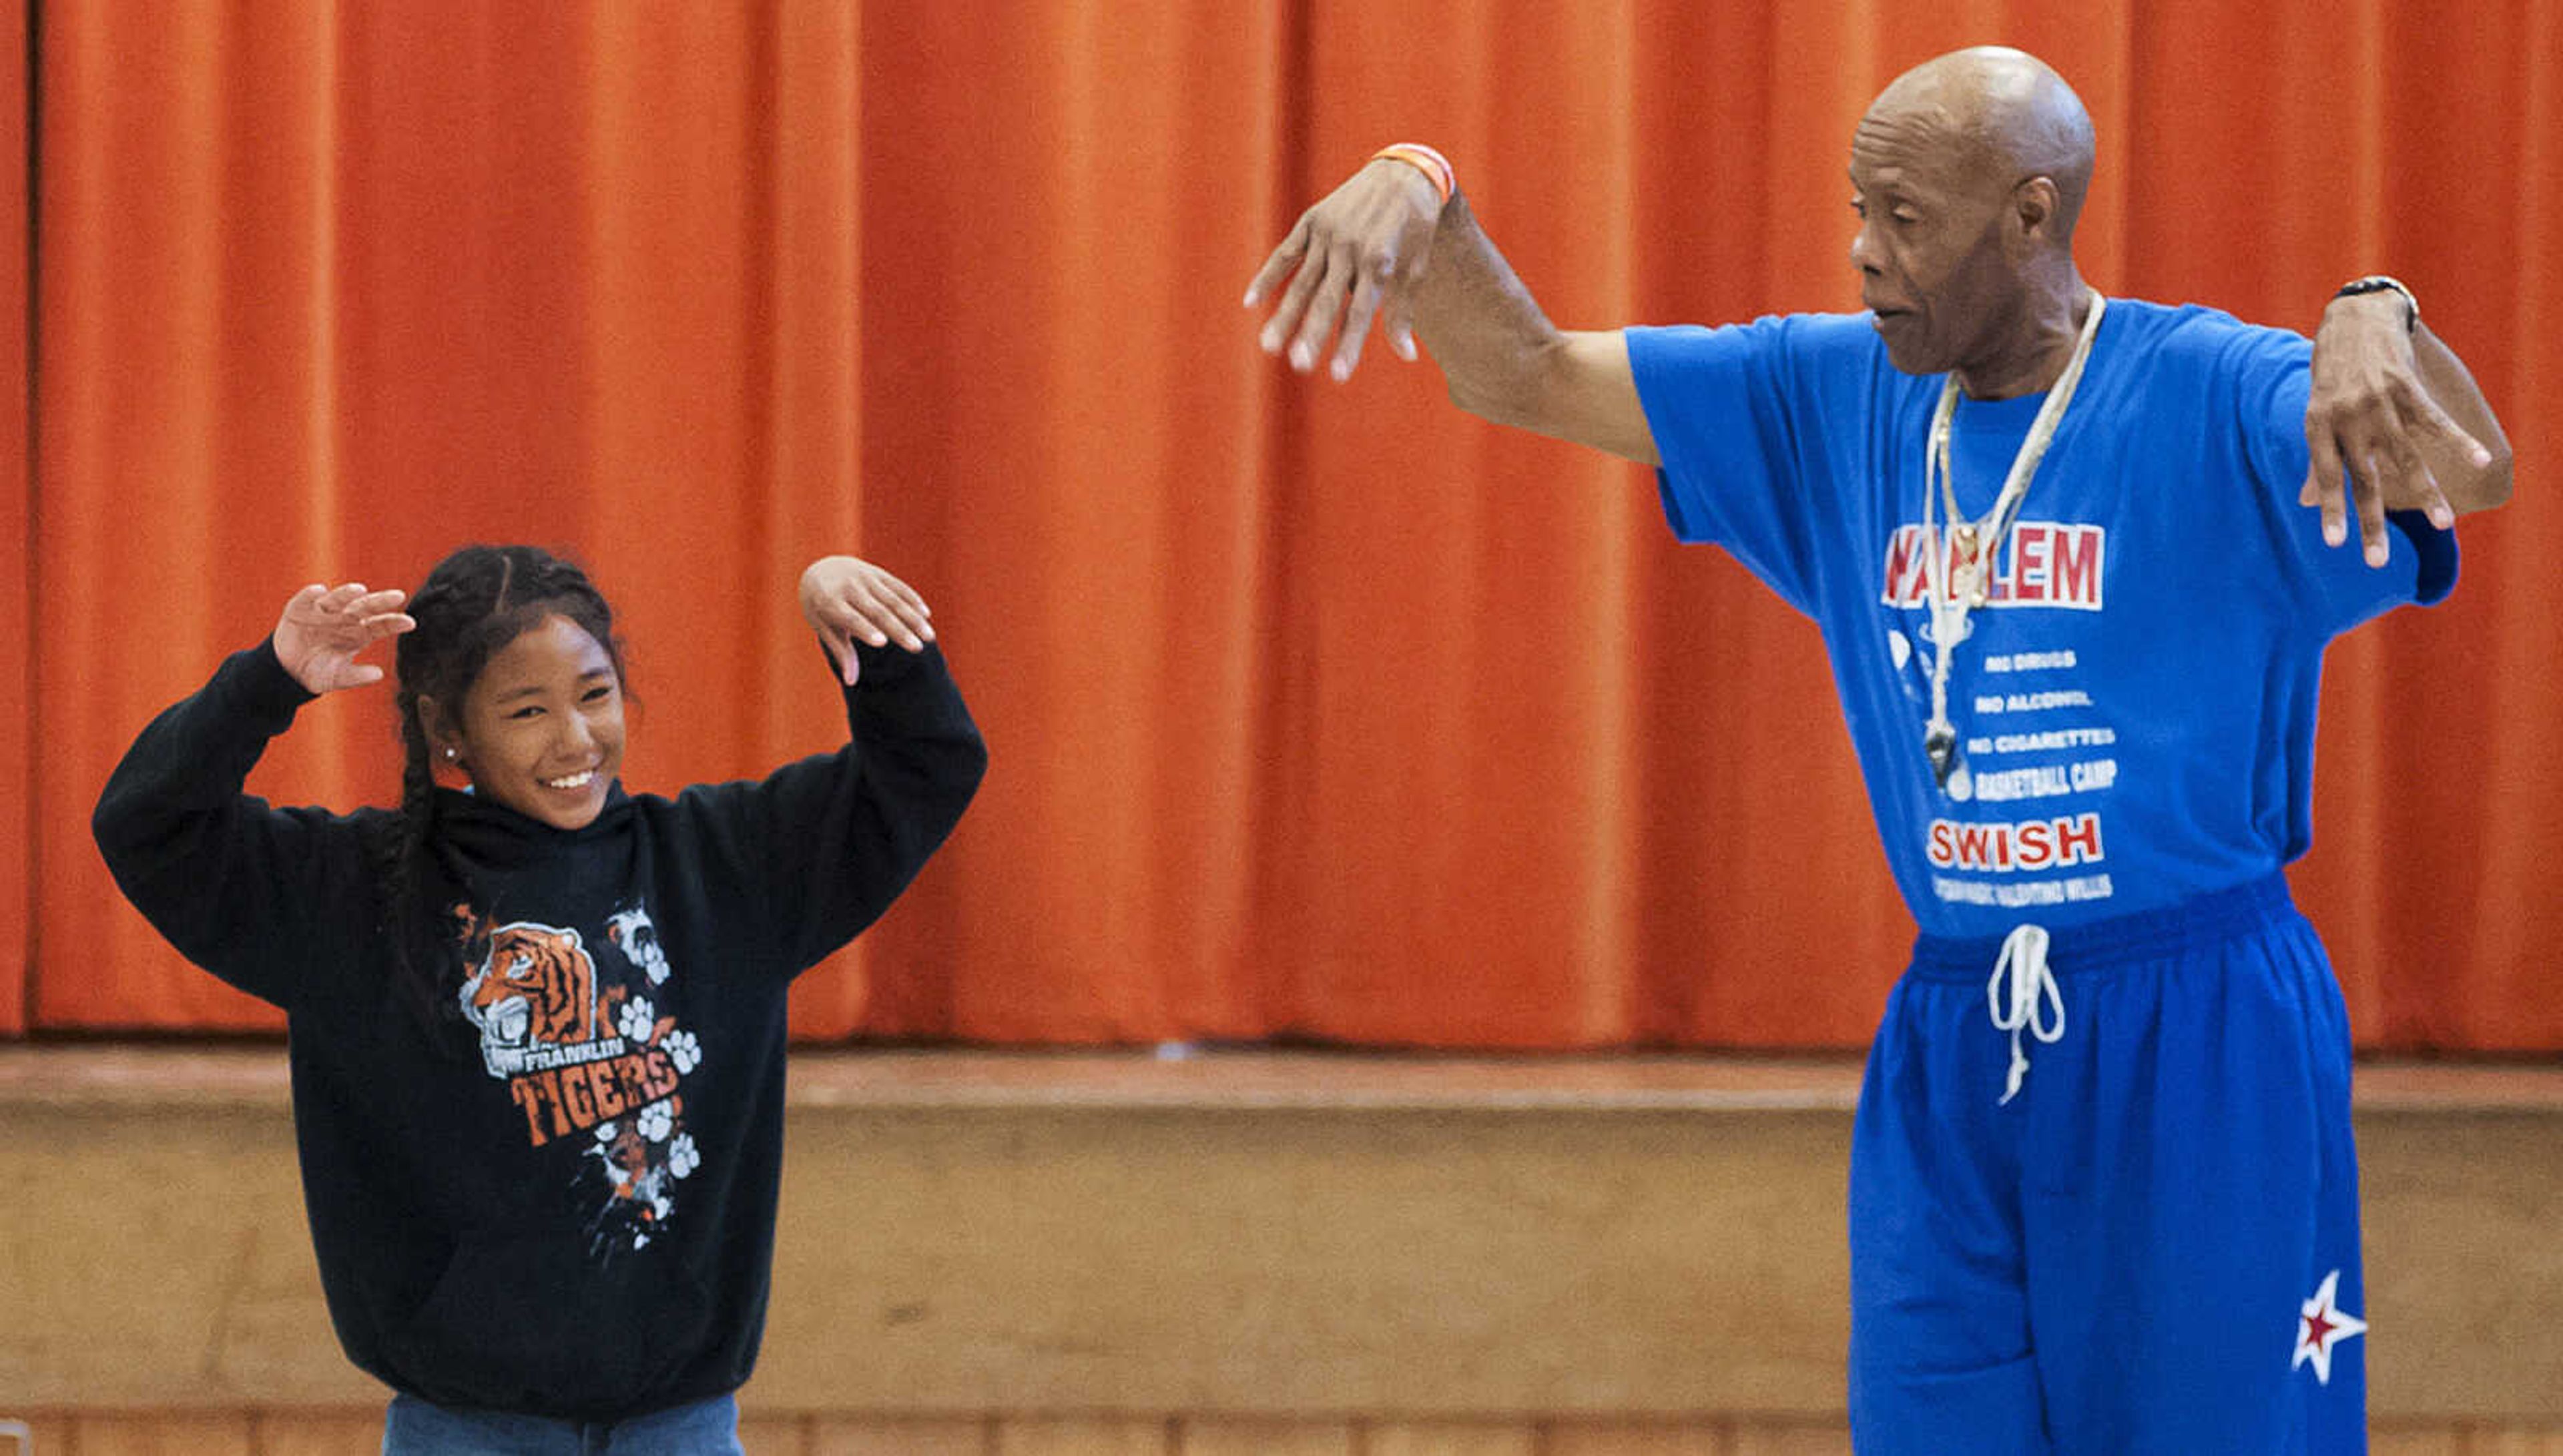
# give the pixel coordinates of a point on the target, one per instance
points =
(541, 728)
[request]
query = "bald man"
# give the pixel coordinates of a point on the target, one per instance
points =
(2075, 561)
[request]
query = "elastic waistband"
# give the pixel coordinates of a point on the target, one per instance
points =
(2186, 925)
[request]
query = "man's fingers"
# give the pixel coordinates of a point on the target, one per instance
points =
(1295, 299)
(2431, 419)
(2416, 483)
(2367, 486)
(2434, 503)
(1401, 324)
(1325, 303)
(1277, 266)
(2323, 484)
(1348, 344)
(389, 624)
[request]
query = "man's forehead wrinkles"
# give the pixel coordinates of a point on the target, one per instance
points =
(1908, 144)
(1899, 176)
(1918, 116)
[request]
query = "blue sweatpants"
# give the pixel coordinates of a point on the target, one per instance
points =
(2152, 1249)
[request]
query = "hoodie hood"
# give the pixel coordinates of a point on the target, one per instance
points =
(490, 836)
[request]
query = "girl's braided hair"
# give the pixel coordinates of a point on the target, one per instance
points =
(472, 604)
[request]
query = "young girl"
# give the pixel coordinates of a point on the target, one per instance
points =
(537, 1026)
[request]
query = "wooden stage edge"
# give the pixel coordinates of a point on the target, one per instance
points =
(1184, 1075)
(1227, 1235)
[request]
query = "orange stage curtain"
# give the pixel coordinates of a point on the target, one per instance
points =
(1316, 711)
(17, 582)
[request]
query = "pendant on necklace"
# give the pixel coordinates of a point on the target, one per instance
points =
(1962, 564)
(1941, 742)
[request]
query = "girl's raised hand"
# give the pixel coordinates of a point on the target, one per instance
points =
(847, 600)
(323, 628)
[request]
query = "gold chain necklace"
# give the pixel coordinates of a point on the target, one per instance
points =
(1960, 576)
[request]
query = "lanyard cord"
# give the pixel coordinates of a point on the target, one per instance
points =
(1955, 590)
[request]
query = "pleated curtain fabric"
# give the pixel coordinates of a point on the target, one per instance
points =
(1317, 711)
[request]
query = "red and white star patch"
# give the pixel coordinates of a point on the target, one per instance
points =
(2323, 1325)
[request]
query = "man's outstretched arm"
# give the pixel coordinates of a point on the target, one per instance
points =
(1384, 246)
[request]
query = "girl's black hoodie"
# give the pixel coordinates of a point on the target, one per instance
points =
(554, 1195)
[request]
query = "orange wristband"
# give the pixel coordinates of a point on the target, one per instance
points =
(1425, 159)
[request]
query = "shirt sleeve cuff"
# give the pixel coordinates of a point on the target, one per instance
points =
(2437, 551)
(253, 684)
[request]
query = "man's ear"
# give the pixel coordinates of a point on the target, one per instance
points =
(2034, 203)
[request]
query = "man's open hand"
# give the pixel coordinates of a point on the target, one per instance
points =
(1359, 253)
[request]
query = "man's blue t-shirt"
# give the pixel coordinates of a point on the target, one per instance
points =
(2135, 704)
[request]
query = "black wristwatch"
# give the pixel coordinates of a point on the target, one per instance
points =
(2381, 283)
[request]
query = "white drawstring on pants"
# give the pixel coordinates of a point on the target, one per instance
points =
(2033, 991)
